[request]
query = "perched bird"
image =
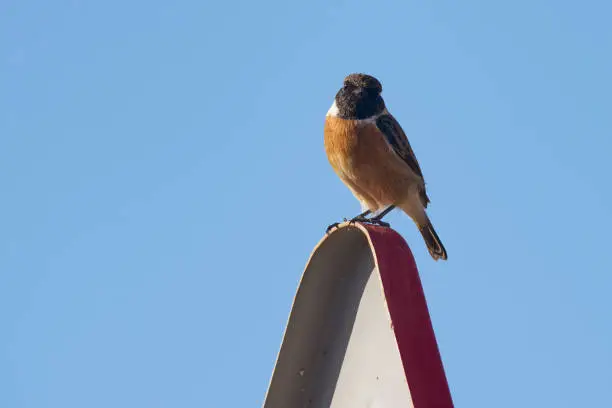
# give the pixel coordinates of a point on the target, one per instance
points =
(370, 152)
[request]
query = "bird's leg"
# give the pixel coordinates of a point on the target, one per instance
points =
(385, 212)
(378, 219)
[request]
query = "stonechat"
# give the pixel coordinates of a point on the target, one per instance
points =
(371, 154)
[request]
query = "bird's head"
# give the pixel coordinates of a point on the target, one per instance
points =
(363, 81)
(359, 98)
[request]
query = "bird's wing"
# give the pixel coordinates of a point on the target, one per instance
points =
(396, 137)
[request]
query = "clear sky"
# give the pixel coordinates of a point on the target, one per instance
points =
(163, 181)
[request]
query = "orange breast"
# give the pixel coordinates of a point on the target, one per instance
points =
(361, 156)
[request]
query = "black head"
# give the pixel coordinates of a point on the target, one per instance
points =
(363, 81)
(359, 98)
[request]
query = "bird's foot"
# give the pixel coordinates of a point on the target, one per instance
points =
(331, 227)
(359, 218)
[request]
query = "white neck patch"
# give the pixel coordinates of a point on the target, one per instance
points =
(333, 111)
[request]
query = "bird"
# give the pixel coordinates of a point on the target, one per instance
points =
(370, 152)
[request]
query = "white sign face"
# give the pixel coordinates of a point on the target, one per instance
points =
(372, 375)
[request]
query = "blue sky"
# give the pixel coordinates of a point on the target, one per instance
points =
(163, 182)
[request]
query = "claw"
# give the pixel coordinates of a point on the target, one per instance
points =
(331, 227)
(358, 218)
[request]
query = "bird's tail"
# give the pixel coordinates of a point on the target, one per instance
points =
(434, 245)
(416, 211)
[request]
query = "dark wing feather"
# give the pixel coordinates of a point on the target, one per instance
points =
(399, 142)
